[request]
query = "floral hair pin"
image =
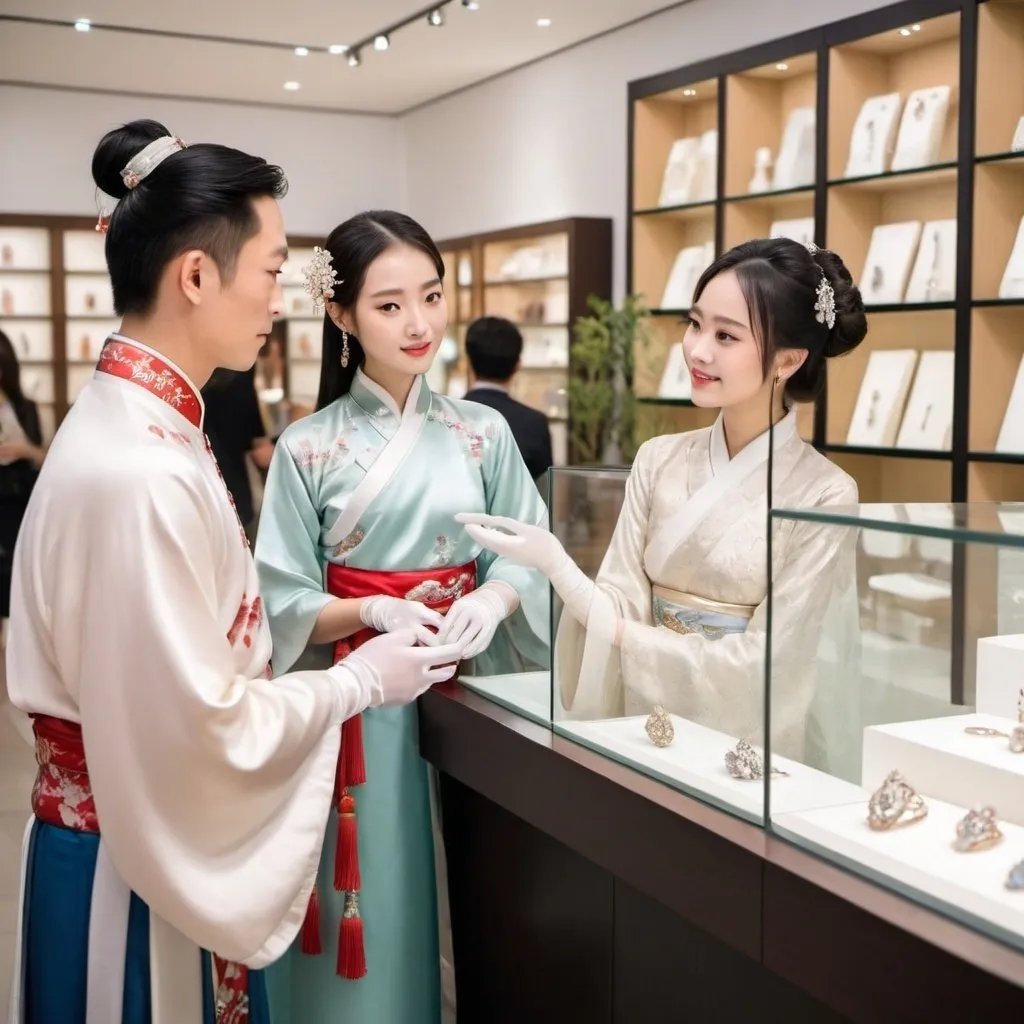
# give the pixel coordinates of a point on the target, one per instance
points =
(321, 277)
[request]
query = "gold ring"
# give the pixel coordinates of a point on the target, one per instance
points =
(895, 804)
(977, 830)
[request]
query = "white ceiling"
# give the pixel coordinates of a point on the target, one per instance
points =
(422, 64)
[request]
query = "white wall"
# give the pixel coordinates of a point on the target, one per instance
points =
(549, 140)
(336, 164)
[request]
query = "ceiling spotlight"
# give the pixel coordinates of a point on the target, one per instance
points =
(471, 5)
(354, 60)
(83, 25)
(381, 42)
(435, 17)
(301, 51)
(916, 28)
(543, 22)
(689, 92)
(337, 48)
(904, 31)
(781, 67)
(291, 86)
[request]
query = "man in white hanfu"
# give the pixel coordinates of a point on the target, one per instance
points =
(182, 796)
(678, 615)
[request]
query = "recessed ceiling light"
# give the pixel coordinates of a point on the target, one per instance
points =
(381, 42)
(83, 25)
(916, 28)
(337, 48)
(471, 5)
(301, 51)
(543, 22)
(904, 31)
(435, 17)
(354, 60)
(291, 86)
(781, 67)
(689, 92)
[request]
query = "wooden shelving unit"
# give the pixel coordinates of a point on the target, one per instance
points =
(539, 276)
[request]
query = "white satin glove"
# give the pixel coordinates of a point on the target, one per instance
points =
(473, 620)
(395, 671)
(388, 614)
(536, 548)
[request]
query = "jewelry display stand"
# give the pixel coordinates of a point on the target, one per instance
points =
(678, 181)
(934, 276)
(1012, 284)
(920, 856)
(1011, 433)
(800, 229)
(928, 420)
(890, 256)
(696, 761)
(879, 408)
(761, 181)
(873, 133)
(795, 166)
(944, 762)
(675, 381)
(921, 128)
(526, 693)
(686, 270)
(705, 186)
(999, 676)
(886, 543)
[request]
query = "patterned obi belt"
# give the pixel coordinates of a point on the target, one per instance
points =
(62, 796)
(438, 589)
(688, 613)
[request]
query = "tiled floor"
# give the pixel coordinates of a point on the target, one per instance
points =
(17, 772)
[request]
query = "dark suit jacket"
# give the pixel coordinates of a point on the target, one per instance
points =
(529, 427)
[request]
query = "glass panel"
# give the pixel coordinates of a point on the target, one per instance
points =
(897, 726)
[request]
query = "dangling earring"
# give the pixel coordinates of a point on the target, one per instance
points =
(344, 348)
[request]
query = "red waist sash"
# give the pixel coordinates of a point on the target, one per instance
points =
(438, 589)
(62, 796)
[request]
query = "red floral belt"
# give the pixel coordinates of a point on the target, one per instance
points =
(62, 796)
(438, 589)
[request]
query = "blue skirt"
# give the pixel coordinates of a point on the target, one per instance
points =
(58, 898)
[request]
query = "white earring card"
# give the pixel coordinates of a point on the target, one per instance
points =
(677, 183)
(873, 134)
(800, 229)
(682, 279)
(882, 396)
(795, 166)
(1012, 284)
(934, 275)
(921, 128)
(889, 259)
(928, 421)
(675, 379)
(1011, 433)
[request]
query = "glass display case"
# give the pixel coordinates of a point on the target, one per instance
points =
(909, 769)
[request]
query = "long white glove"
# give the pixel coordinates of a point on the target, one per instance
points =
(387, 614)
(473, 620)
(395, 671)
(536, 548)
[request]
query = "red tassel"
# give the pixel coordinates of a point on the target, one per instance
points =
(351, 950)
(311, 944)
(352, 763)
(346, 856)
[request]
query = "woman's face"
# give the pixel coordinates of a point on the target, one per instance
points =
(722, 354)
(401, 314)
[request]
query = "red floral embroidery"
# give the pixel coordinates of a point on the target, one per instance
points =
(247, 621)
(124, 360)
(231, 992)
(159, 431)
(62, 795)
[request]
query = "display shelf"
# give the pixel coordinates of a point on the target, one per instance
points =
(539, 277)
(755, 216)
(899, 181)
(1000, 76)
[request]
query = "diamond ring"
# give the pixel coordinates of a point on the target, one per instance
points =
(895, 804)
(744, 762)
(659, 727)
(977, 830)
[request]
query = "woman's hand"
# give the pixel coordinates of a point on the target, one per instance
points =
(390, 614)
(473, 620)
(532, 546)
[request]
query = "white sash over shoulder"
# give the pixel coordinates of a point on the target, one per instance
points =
(726, 475)
(386, 463)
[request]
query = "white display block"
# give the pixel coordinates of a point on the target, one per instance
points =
(887, 266)
(85, 251)
(1012, 284)
(921, 856)
(305, 339)
(934, 276)
(1011, 433)
(679, 178)
(526, 692)
(921, 128)
(696, 761)
(873, 134)
(24, 248)
(999, 676)
(675, 380)
(89, 295)
(705, 185)
(291, 269)
(795, 165)
(940, 760)
(800, 229)
(689, 264)
(928, 421)
(883, 393)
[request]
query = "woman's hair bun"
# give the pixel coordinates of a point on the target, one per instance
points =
(851, 325)
(117, 148)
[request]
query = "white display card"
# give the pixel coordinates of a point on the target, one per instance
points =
(305, 339)
(873, 134)
(89, 295)
(1018, 137)
(291, 269)
(32, 339)
(887, 266)
(544, 347)
(705, 185)
(84, 251)
(695, 760)
(298, 303)
(999, 676)
(85, 339)
(921, 128)
(675, 379)
(928, 420)
(1012, 284)
(304, 382)
(679, 179)
(24, 295)
(934, 276)
(883, 392)
(689, 264)
(24, 248)
(1011, 433)
(795, 165)
(800, 229)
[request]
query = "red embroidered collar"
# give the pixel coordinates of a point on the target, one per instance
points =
(131, 362)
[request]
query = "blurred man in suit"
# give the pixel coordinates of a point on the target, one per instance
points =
(494, 347)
